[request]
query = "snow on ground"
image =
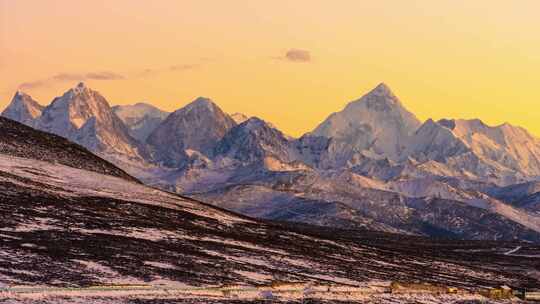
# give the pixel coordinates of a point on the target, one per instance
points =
(513, 250)
(77, 182)
(243, 294)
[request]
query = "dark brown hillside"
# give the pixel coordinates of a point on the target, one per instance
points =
(19, 140)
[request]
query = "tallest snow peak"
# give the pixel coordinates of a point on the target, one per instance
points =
(377, 124)
(381, 94)
(382, 88)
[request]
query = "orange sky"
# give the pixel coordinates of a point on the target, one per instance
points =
(444, 58)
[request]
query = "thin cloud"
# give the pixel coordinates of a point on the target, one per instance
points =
(294, 55)
(298, 55)
(68, 77)
(146, 73)
(104, 76)
(173, 68)
(32, 84)
(101, 75)
(183, 67)
(88, 76)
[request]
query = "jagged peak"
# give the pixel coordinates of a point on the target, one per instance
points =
(203, 102)
(80, 96)
(19, 93)
(21, 97)
(447, 123)
(382, 89)
(199, 104)
(380, 98)
(254, 122)
(22, 108)
(508, 126)
(239, 117)
(432, 126)
(255, 125)
(79, 88)
(429, 123)
(475, 123)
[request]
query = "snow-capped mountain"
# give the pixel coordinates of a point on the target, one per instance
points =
(23, 109)
(85, 117)
(511, 147)
(197, 126)
(376, 125)
(372, 165)
(254, 140)
(141, 118)
(503, 154)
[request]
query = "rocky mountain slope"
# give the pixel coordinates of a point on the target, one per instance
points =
(85, 117)
(18, 140)
(65, 226)
(197, 126)
(346, 200)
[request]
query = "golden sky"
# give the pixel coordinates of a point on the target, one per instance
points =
(289, 62)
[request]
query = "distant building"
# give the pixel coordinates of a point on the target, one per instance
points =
(531, 295)
(503, 292)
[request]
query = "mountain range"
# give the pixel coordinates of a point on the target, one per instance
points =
(72, 219)
(372, 165)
